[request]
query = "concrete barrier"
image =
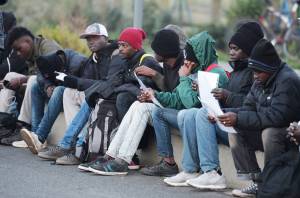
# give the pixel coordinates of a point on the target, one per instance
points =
(149, 155)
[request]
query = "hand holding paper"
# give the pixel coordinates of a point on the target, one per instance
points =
(60, 75)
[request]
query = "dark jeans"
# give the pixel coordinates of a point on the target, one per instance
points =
(243, 145)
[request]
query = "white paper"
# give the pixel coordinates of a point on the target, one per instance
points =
(207, 82)
(143, 87)
(60, 76)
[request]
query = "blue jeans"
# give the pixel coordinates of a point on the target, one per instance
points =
(200, 141)
(76, 126)
(41, 121)
(163, 120)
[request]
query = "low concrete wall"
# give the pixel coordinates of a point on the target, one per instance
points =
(149, 155)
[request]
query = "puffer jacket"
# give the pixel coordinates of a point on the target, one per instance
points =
(239, 84)
(275, 104)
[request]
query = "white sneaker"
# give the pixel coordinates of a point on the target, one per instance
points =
(31, 140)
(210, 180)
(19, 144)
(180, 179)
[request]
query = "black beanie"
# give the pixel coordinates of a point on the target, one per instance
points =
(48, 64)
(264, 57)
(247, 36)
(189, 54)
(166, 44)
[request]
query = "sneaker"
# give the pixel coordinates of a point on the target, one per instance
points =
(19, 144)
(31, 140)
(161, 169)
(53, 152)
(210, 180)
(249, 191)
(180, 179)
(86, 166)
(110, 168)
(68, 159)
(14, 136)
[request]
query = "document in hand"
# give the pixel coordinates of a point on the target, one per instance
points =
(207, 81)
(143, 87)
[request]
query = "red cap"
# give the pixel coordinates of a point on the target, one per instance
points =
(133, 36)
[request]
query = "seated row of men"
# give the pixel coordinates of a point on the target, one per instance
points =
(259, 99)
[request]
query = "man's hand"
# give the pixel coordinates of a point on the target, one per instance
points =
(228, 119)
(211, 119)
(220, 94)
(186, 68)
(294, 133)
(146, 95)
(50, 90)
(14, 84)
(145, 71)
(194, 86)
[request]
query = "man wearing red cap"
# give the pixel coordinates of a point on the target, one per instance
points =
(123, 87)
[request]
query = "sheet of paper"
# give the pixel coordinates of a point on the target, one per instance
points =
(206, 83)
(143, 87)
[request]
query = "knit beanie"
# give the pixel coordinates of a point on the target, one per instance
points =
(166, 44)
(48, 64)
(180, 33)
(264, 57)
(189, 54)
(247, 36)
(133, 36)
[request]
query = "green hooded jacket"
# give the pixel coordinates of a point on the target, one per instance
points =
(183, 97)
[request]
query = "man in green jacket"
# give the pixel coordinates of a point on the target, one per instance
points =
(29, 47)
(200, 56)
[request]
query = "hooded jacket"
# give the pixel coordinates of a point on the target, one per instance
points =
(184, 97)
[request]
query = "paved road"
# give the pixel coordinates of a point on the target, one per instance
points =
(25, 175)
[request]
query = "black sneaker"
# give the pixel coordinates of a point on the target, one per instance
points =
(86, 166)
(161, 169)
(249, 191)
(15, 136)
(53, 152)
(110, 168)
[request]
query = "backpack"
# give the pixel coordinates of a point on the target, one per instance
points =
(7, 124)
(102, 126)
(281, 177)
(213, 66)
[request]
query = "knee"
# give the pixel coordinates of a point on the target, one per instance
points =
(273, 135)
(156, 112)
(58, 91)
(31, 80)
(233, 140)
(67, 92)
(10, 75)
(181, 117)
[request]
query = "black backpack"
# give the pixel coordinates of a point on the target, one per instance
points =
(102, 126)
(7, 124)
(281, 177)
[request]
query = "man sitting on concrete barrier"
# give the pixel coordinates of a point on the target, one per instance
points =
(271, 105)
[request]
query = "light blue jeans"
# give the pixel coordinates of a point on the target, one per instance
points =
(200, 140)
(75, 133)
(41, 120)
(163, 120)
